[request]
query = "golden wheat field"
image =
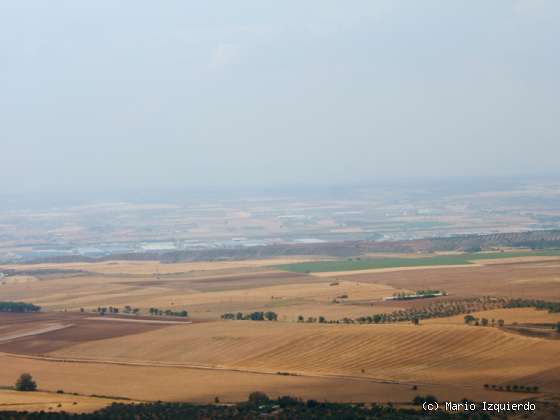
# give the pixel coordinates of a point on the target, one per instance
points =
(403, 352)
(201, 357)
(50, 401)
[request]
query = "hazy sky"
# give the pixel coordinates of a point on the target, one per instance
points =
(107, 94)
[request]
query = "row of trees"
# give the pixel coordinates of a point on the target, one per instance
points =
(434, 310)
(512, 388)
(102, 310)
(312, 319)
(129, 310)
(552, 307)
(167, 312)
(444, 309)
(418, 294)
(471, 320)
(361, 320)
(19, 307)
(253, 316)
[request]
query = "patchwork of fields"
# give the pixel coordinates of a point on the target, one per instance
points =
(202, 356)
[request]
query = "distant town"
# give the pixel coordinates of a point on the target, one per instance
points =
(372, 214)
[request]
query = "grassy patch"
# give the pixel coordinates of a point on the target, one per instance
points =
(371, 263)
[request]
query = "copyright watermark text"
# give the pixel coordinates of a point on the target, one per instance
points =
(494, 407)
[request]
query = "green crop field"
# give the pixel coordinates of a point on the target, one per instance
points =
(370, 263)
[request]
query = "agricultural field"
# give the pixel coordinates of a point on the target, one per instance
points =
(71, 346)
(51, 401)
(357, 264)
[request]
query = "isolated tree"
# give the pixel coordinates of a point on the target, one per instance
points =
(25, 383)
(300, 318)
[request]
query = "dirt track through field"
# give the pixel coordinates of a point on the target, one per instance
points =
(141, 321)
(43, 330)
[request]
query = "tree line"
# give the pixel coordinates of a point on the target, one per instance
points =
(419, 294)
(443, 309)
(167, 312)
(253, 316)
(552, 307)
(512, 388)
(471, 320)
(129, 310)
(19, 307)
(102, 310)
